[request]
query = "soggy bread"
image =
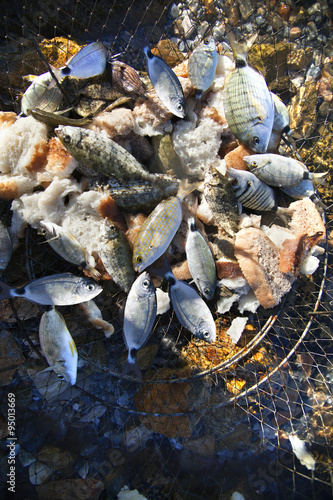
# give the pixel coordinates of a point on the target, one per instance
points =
(259, 259)
(306, 219)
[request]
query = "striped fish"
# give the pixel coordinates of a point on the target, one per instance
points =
(159, 229)
(251, 192)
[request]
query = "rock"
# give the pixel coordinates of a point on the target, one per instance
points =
(169, 52)
(302, 109)
(261, 55)
(39, 473)
(26, 458)
(284, 12)
(71, 489)
(204, 445)
(11, 356)
(299, 59)
(57, 458)
(295, 32)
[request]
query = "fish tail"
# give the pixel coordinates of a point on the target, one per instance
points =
(5, 291)
(320, 178)
(186, 188)
(92, 271)
(132, 366)
(53, 82)
(240, 49)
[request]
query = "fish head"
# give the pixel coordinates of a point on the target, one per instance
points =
(47, 229)
(87, 289)
(141, 257)
(176, 104)
(144, 286)
(237, 178)
(213, 177)
(209, 46)
(68, 135)
(206, 289)
(206, 330)
(109, 231)
(67, 371)
(257, 137)
(256, 161)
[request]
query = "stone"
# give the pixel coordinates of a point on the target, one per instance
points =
(299, 59)
(302, 109)
(295, 32)
(204, 445)
(11, 356)
(39, 473)
(57, 458)
(168, 51)
(73, 489)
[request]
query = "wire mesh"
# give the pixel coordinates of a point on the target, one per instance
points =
(207, 420)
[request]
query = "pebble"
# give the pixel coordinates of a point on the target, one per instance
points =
(174, 11)
(39, 473)
(295, 32)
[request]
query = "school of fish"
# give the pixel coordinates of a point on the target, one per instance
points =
(256, 117)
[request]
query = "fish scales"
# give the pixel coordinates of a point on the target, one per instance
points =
(222, 201)
(58, 346)
(248, 103)
(158, 230)
(250, 191)
(202, 65)
(116, 255)
(139, 316)
(104, 155)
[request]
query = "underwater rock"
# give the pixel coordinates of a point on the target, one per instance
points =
(74, 489)
(57, 458)
(11, 356)
(169, 52)
(39, 473)
(302, 109)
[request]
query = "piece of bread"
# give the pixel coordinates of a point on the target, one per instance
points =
(259, 260)
(306, 219)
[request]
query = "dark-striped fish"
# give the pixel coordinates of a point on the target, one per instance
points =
(139, 316)
(221, 200)
(58, 346)
(159, 228)
(250, 191)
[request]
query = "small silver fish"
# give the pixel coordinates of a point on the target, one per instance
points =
(200, 261)
(166, 84)
(116, 255)
(248, 103)
(6, 248)
(55, 290)
(305, 189)
(65, 245)
(202, 65)
(39, 95)
(89, 61)
(139, 316)
(221, 200)
(251, 192)
(192, 312)
(280, 171)
(158, 230)
(58, 346)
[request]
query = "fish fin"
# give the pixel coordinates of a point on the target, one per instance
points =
(5, 291)
(192, 210)
(131, 366)
(320, 178)
(240, 49)
(164, 271)
(53, 82)
(92, 271)
(186, 188)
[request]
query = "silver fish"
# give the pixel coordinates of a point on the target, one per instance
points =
(166, 84)
(248, 103)
(192, 312)
(39, 95)
(251, 192)
(116, 255)
(104, 155)
(139, 316)
(280, 171)
(65, 245)
(158, 230)
(58, 346)
(200, 260)
(221, 200)
(305, 189)
(55, 290)
(89, 61)
(202, 65)
(281, 115)
(6, 248)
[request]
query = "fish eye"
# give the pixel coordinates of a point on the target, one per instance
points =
(146, 283)
(215, 175)
(65, 70)
(207, 290)
(254, 163)
(67, 138)
(179, 107)
(139, 259)
(90, 287)
(234, 182)
(206, 334)
(255, 140)
(61, 377)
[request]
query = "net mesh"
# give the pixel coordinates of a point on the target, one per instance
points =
(207, 420)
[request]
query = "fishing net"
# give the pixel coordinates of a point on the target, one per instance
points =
(207, 420)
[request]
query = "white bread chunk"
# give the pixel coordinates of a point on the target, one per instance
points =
(306, 219)
(259, 259)
(13, 186)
